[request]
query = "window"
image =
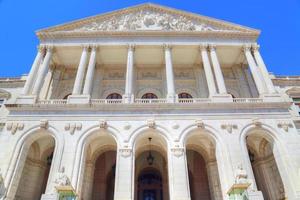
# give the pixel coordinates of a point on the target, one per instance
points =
(185, 95)
(114, 96)
(149, 96)
(66, 97)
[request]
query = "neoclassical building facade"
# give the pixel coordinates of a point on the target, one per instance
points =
(149, 103)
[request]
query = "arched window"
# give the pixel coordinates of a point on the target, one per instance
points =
(149, 96)
(114, 96)
(184, 95)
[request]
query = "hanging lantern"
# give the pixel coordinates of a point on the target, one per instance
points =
(150, 158)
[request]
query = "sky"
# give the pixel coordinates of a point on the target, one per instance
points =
(278, 20)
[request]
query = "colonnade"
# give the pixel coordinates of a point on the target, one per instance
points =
(213, 72)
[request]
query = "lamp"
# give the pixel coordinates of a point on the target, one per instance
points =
(150, 158)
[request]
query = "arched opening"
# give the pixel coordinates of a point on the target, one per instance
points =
(149, 96)
(264, 166)
(114, 96)
(35, 173)
(151, 167)
(202, 165)
(66, 97)
(185, 95)
(99, 170)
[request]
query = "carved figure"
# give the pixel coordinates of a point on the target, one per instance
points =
(241, 175)
(63, 180)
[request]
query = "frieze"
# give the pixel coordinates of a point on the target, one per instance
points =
(149, 19)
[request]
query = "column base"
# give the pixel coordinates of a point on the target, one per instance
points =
(26, 99)
(221, 98)
(50, 197)
(128, 98)
(255, 195)
(79, 99)
(272, 97)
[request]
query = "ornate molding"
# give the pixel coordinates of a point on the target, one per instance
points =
(177, 151)
(175, 125)
(125, 152)
(103, 124)
(14, 126)
(229, 127)
(285, 125)
(199, 123)
(44, 124)
(71, 127)
(127, 126)
(151, 123)
(256, 122)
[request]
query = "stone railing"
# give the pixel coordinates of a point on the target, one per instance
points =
(148, 101)
(247, 100)
(106, 101)
(53, 101)
(151, 101)
(194, 100)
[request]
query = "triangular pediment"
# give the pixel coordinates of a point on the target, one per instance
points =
(149, 18)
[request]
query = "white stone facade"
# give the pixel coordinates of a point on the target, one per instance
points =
(100, 87)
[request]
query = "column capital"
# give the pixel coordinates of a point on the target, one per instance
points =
(85, 47)
(49, 48)
(131, 47)
(246, 48)
(167, 47)
(203, 47)
(212, 47)
(255, 47)
(94, 47)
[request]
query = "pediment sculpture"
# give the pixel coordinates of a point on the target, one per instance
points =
(148, 20)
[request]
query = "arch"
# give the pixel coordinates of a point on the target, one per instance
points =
(149, 96)
(149, 90)
(269, 134)
(221, 153)
(110, 91)
(114, 96)
(192, 92)
(82, 143)
(4, 94)
(185, 95)
(233, 93)
(67, 96)
(21, 147)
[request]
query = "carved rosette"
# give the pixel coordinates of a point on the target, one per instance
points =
(14, 126)
(71, 127)
(125, 152)
(285, 125)
(177, 151)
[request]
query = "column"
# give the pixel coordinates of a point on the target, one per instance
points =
(263, 69)
(208, 72)
(217, 70)
(171, 94)
(128, 96)
(90, 72)
(254, 70)
(178, 174)
(42, 71)
(124, 175)
(34, 70)
(80, 72)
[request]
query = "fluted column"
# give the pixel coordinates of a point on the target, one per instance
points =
(262, 67)
(171, 94)
(34, 70)
(80, 72)
(208, 71)
(90, 72)
(217, 70)
(128, 96)
(42, 71)
(254, 70)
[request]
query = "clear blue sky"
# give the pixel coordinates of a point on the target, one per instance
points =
(278, 20)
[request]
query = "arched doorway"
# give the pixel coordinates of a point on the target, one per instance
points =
(35, 172)
(151, 167)
(202, 165)
(99, 168)
(264, 166)
(150, 185)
